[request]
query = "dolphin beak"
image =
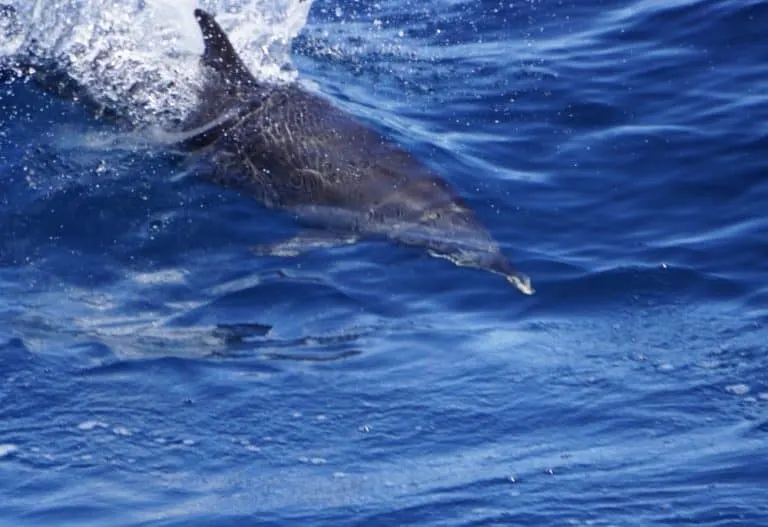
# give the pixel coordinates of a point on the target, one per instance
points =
(522, 282)
(501, 265)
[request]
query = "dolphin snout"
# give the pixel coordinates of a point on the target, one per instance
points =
(500, 265)
(522, 282)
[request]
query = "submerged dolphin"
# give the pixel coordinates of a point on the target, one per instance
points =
(296, 151)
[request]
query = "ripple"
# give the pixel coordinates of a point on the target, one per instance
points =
(615, 152)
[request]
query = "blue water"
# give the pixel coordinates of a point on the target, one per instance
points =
(156, 372)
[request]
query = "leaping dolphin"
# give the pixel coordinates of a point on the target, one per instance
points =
(296, 151)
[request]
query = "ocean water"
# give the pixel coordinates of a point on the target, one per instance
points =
(154, 371)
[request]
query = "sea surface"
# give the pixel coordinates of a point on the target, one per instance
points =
(154, 371)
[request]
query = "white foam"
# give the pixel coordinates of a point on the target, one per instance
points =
(7, 449)
(142, 58)
(91, 425)
(165, 276)
(312, 460)
(737, 389)
(121, 431)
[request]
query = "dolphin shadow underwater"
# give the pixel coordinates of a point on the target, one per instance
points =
(296, 151)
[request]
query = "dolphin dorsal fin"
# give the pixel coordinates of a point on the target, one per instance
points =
(220, 55)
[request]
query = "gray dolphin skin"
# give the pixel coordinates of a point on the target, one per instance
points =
(293, 150)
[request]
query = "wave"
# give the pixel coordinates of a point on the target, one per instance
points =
(140, 58)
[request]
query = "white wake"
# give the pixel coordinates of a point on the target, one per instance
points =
(140, 57)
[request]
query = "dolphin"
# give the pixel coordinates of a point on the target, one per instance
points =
(296, 151)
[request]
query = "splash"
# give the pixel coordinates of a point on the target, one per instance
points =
(139, 58)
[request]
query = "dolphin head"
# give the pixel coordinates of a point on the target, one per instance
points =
(449, 229)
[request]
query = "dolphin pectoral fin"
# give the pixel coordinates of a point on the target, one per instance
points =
(220, 55)
(305, 242)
